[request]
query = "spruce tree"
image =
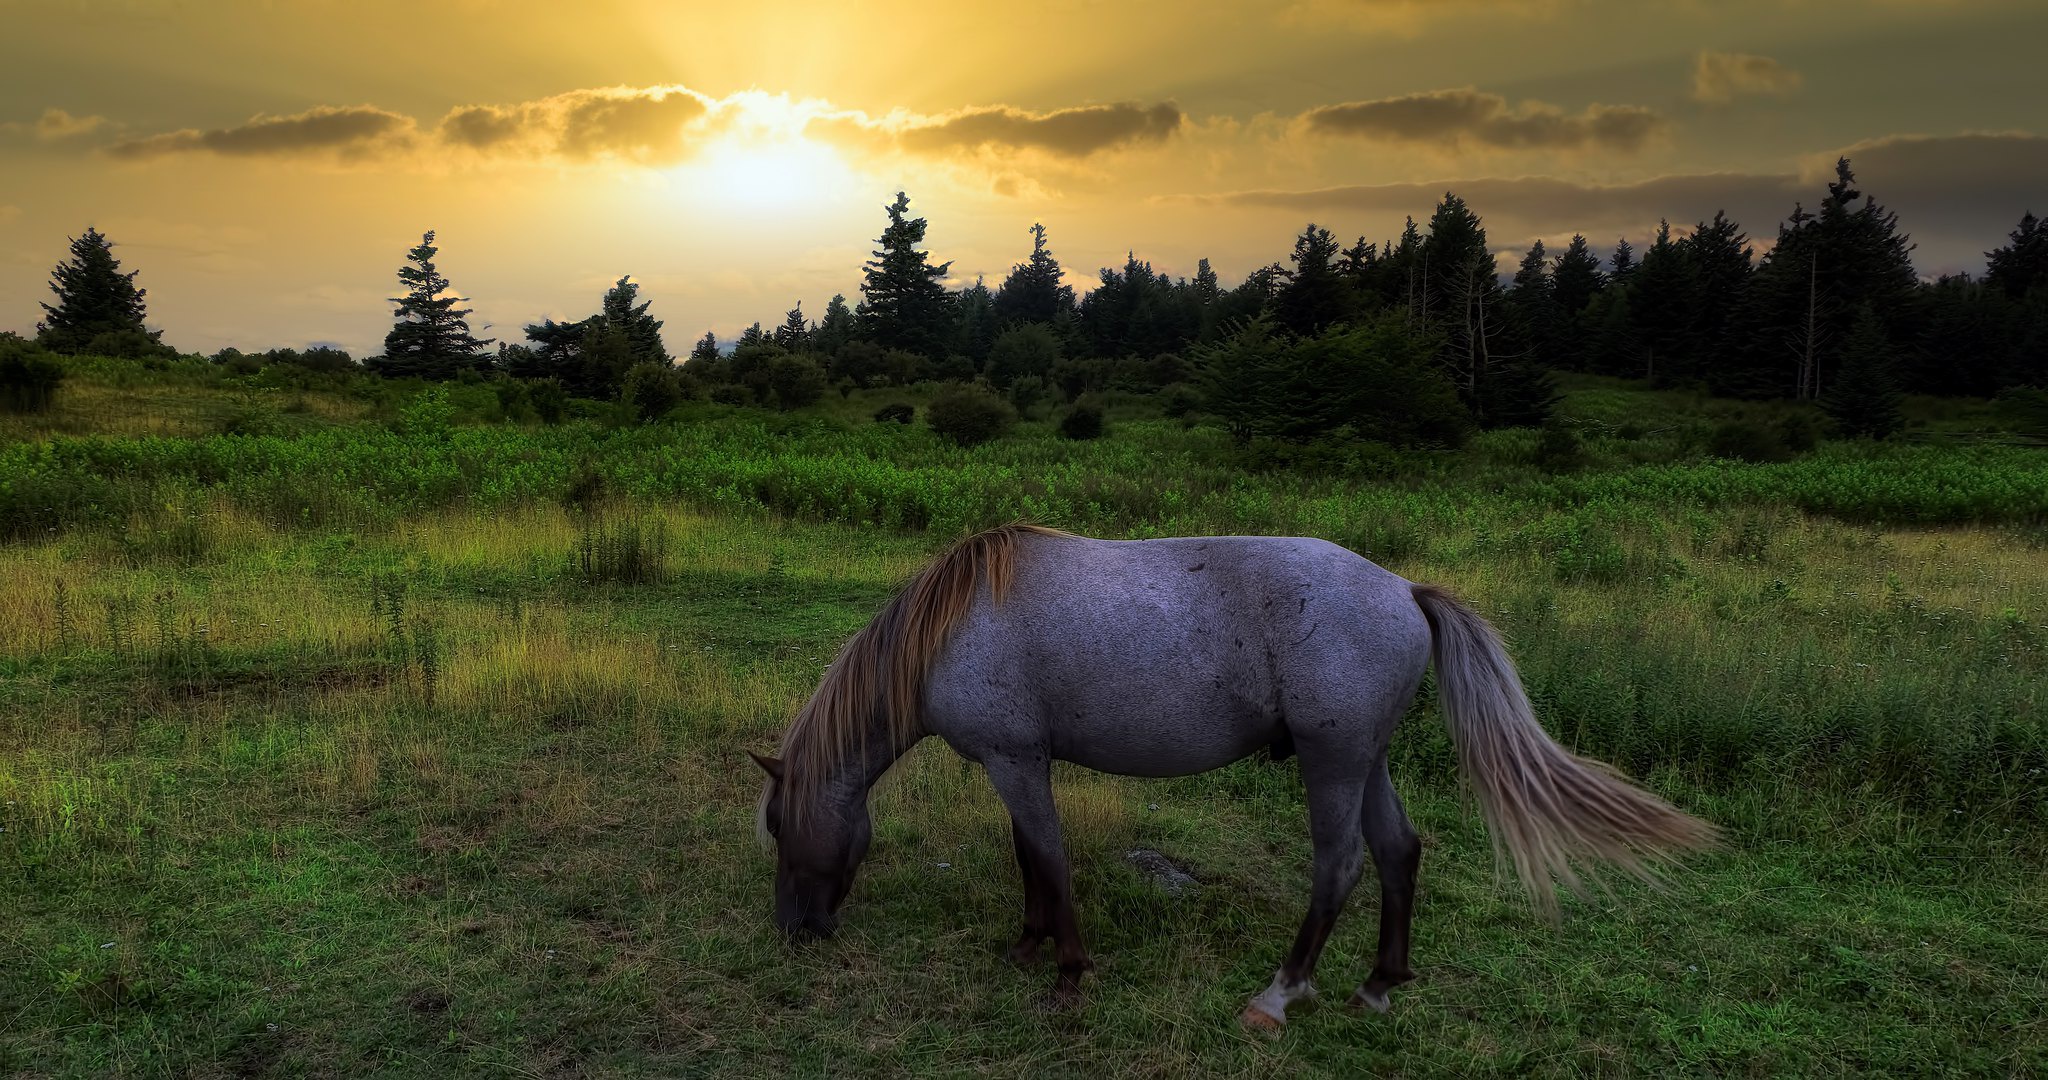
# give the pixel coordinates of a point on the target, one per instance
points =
(903, 304)
(1575, 280)
(794, 333)
(1721, 261)
(1532, 301)
(431, 339)
(641, 330)
(706, 349)
(1622, 264)
(974, 322)
(1314, 296)
(1864, 398)
(1032, 292)
(837, 328)
(1663, 298)
(94, 298)
(2022, 265)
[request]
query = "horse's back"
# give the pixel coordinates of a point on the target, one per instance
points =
(1170, 656)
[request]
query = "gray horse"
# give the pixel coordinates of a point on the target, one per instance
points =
(1176, 656)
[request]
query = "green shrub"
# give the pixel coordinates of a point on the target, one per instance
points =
(29, 378)
(1083, 421)
(1747, 440)
(1021, 352)
(969, 414)
(796, 380)
(901, 412)
(1179, 400)
(652, 390)
(1558, 448)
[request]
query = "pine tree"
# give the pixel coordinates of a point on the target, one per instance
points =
(1532, 302)
(1721, 260)
(1032, 292)
(641, 330)
(1204, 298)
(1314, 296)
(706, 349)
(2022, 265)
(1864, 398)
(837, 327)
(751, 336)
(903, 304)
(431, 339)
(1663, 295)
(1622, 264)
(975, 322)
(794, 333)
(1575, 279)
(93, 298)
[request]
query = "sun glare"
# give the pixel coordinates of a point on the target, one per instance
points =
(763, 160)
(742, 170)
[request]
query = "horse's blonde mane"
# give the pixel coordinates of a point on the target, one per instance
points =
(883, 667)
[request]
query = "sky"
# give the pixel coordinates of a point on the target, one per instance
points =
(265, 164)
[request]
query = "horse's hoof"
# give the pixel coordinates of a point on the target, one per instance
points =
(1259, 1020)
(1367, 999)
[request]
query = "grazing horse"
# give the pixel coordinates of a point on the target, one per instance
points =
(1176, 656)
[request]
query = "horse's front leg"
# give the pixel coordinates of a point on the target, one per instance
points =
(1333, 815)
(1036, 926)
(1024, 782)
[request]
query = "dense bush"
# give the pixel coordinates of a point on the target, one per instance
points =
(901, 412)
(1083, 421)
(29, 377)
(795, 380)
(652, 390)
(969, 414)
(1022, 352)
(1748, 440)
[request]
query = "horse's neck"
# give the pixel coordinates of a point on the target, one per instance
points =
(850, 779)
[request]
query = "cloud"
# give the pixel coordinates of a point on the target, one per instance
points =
(642, 124)
(9, 213)
(1956, 195)
(1075, 132)
(1719, 78)
(350, 132)
(58, 124)
(1467, 116)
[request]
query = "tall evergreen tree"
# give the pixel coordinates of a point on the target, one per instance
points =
(93, 298)
(1864, 398)
(1575, 279)
(903, 304)
(706, 349)
(794, 333)
(1314, 296)
(1204, 299)
(1622, 264)
(2021, 265)
(1032, 292)
(1721, 260)
(431, 337)
(1663, 296)
(1532, 302)
(837, 327)
(975, 323)
(641, 330)
(1797, 313)
(1501, 384)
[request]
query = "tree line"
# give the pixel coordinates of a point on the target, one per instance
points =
(1411, 340)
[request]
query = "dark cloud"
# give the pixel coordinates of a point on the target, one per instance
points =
(1466, 116)
(1076, 132)
(1957, 196)
(355, 130)
(1719, 78)
(643, 124)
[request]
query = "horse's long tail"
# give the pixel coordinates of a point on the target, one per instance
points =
(1546, 807)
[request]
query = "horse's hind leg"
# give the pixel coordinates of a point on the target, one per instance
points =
(1036, 927)
(1333, 811)
(1025, 786)
(1397, 852)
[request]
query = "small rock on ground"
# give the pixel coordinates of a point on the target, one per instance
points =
(1163, 871)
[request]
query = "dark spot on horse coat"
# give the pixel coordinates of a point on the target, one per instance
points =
(1196, 567)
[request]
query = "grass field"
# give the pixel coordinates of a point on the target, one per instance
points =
(339, 735)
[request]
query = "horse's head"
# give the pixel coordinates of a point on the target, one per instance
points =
(817, 851)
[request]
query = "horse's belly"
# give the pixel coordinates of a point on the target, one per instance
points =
(1165, 739)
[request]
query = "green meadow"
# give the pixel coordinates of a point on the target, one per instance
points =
(349, 728)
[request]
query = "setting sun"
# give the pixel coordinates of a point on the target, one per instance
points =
(764, 171)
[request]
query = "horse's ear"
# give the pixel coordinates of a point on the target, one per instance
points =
(769, 765)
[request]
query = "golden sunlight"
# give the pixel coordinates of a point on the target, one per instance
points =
(762, 159)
